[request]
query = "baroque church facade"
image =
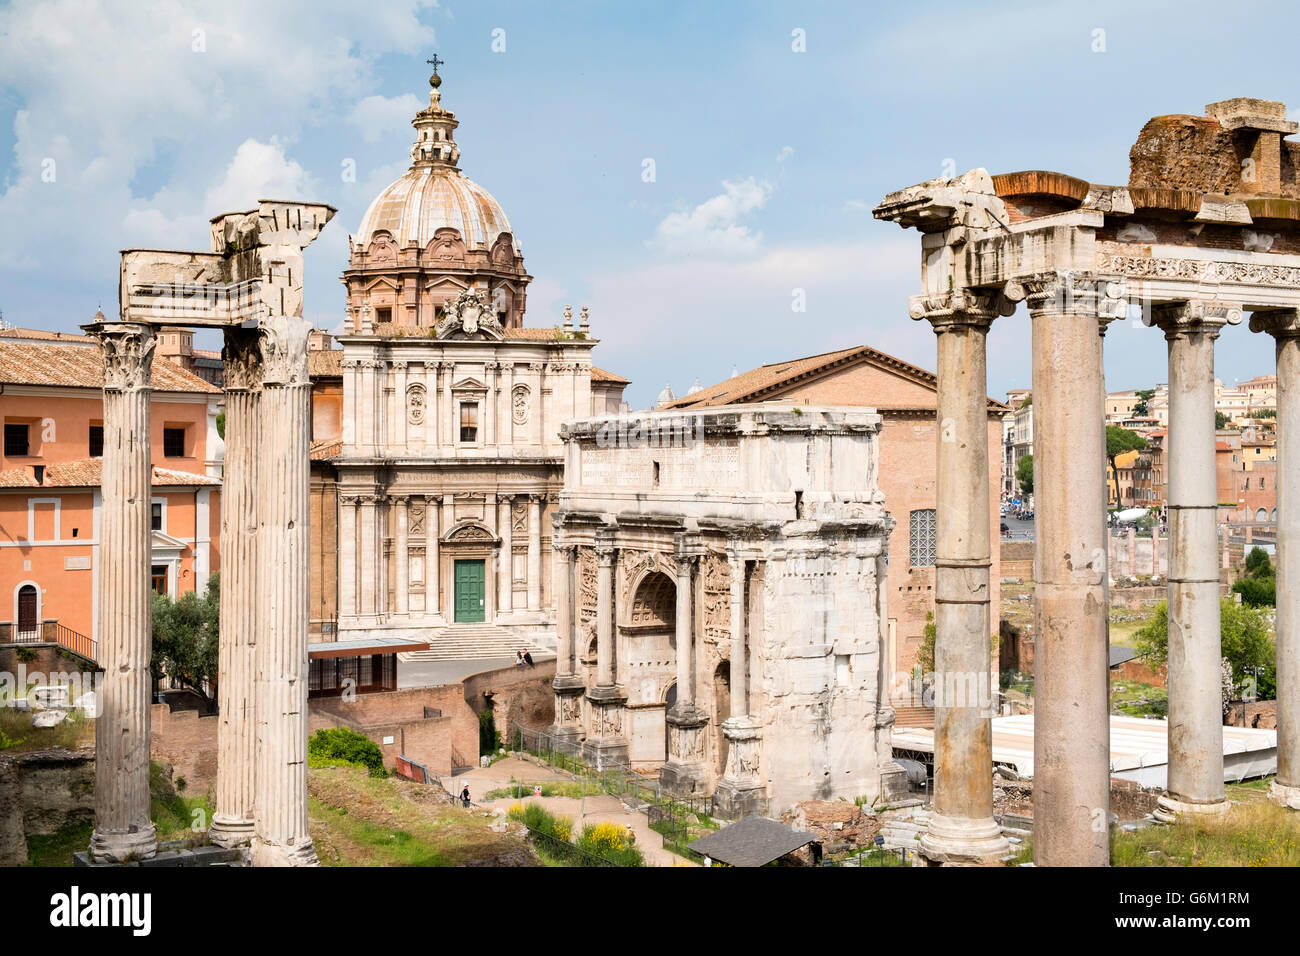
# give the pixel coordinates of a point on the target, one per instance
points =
(447, 463)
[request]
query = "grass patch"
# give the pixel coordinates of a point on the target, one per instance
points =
(17, 735)
(518, 789)
(1250, 834)
(1139, 700)
(175, 815)
(56, 849)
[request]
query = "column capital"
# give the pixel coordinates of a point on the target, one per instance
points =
(1194, 315)
(283, 341)
(241, 357)
(1075, 293)
(961, 309)
(128, 354)
(604, 546)
(1279, 323)
(398, 366)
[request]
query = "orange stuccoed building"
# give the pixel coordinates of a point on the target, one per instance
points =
(52, 411)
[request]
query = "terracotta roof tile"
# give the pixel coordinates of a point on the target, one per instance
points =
(756, 383)
(326, 448)
(86, 473)
(45, 335)
(76, 366)
(325, 363)
(600, 375)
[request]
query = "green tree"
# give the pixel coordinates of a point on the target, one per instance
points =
(1118, 441)
(1025, 474)
(1221, 421)
(1246, 644)
(1257, 586)
(221, 425)
(341, 745)
(1141, 408)
(186, 638)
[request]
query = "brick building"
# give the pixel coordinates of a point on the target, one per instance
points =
(52, 410)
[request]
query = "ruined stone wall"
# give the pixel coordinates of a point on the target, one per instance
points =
(40, 793)
(188, 742)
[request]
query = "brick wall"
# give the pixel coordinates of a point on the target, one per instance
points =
(188, 742)
(400, 715)
(1018, 560)
(1260, 714)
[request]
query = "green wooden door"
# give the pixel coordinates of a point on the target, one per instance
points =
(470, 592)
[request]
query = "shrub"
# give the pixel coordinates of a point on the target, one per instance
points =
(489, 738)
(536, 817)
(610, 841)
(327, 747)
(26, 655)
(1256, 591)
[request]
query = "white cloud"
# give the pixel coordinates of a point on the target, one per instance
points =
(380, 116)
(856, 205)
(786, 153)
(714, 227)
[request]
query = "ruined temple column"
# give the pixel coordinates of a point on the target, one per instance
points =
(233, 819)
(1071, 716)
(534, 552)
(284, 550)
(962, 830)
(123, 829)
(506, 566)
(1195, 779)
(1284, 326)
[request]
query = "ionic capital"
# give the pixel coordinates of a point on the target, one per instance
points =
(1177, 319)
(1075, 293)
(1279, 323)
(962, 309)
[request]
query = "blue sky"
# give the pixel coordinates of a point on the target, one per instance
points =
(158, 115)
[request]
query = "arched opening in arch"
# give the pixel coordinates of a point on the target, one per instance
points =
(654, 604)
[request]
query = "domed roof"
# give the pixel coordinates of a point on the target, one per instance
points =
(429, 198)
(434, 193)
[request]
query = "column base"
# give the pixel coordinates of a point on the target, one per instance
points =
(734, 799)
(681, 779)
(273, 854)
(605, 752)
(1168, 809)
(568, 682)
(963, 841)
(230, 833)
(1284, 796)
(123, 846)
(565, 738)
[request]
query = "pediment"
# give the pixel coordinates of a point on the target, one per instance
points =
(159, 541)
(380, 281)
(469, 385)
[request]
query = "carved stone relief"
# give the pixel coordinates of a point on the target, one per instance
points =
(415, 404)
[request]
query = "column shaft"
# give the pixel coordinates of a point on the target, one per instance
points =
(432, 559)
(1071, 717)
(1286, 788)
(1195, 675)
(605, 617)
(739, 665)
(347, 553)
(123, 828)
(963, 829)
(534, 553)
(685, 642)
(563, 611)
(233, 819)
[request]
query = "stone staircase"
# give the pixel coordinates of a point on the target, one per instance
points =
(465, 642)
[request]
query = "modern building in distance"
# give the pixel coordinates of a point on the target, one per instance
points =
(52, 410)
(904, 396)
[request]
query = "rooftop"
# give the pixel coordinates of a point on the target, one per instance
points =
(70, 364)
(85, 473)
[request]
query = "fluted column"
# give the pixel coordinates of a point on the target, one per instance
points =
(1284, 326)
(402, 505)
(741, 791)
(605, 616)
(241, 590)
(281, 837)
(1195, 778)
(123, 829)
(962, 830)
(1071, 686)
(534, 552)
(684, 771)
(506, 569)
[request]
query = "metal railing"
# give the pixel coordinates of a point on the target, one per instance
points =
(50, 632)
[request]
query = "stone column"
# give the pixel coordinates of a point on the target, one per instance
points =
(1284, 326)
(534, 552)
(402, 505)
(233, 819)
(1071, 717)
(123, 829)
(605, 743)
(684, 772)
(567, 685)
(740, 793)
(1195, 779)
(367, 592)
(284, 553)
(400, 410)
(506, 570)
(432, 559)
(962, 830)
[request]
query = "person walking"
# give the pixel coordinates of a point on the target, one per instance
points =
(464, 796)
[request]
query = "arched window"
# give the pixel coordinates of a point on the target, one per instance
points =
(1261, 515)
(28, 610)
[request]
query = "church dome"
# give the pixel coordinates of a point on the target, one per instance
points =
(429, 198)
(434, 194)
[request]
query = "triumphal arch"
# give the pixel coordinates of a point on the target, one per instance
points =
(721, 602)
(1206, 231)
(249, 285)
